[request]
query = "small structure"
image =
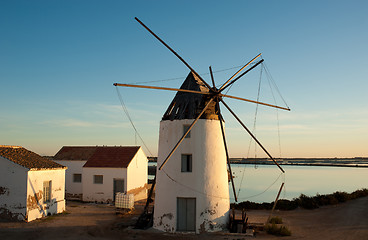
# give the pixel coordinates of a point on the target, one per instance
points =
(31, 186)
(96, 174)
(74, 158)
(192, 192)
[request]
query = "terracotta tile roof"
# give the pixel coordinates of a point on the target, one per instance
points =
(26, 158)
(112, 157)
(75, 153)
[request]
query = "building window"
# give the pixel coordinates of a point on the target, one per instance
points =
(77, 177)
(185, 129)
(46, 191)
(98, 179)
(186, 162)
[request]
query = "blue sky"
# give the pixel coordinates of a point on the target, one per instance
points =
(59, 59)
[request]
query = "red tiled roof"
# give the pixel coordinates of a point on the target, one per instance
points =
(26, 158)
(112, 157)
(75, 153)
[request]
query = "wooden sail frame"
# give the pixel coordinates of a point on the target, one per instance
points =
(214, 95)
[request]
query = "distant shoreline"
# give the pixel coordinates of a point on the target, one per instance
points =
(357, 162)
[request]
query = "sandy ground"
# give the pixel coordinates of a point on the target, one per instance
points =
(92, 221)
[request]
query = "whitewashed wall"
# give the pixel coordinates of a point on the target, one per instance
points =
(74, 167)
(13, 190)
(138, 176)
(208, 181)
(36, 208)
(101, 192)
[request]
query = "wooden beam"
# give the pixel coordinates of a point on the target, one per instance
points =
(274, 205)
(185, 134)
(241, 69)
(251, 134)
(253, 101)
(250, 69)
(160, 88)
(227, 155)
(213, 80)
(177, 55)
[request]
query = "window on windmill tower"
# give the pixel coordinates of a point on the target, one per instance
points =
(186, 163)
(185, 129)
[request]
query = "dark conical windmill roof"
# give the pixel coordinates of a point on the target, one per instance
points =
(190, 105)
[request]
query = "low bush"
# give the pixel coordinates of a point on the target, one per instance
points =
(277, 230)
(284, 204)
(359, 193)
(275, 220)
(304, 201)
(307, 202)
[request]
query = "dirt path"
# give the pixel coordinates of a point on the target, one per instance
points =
(92, 221)
(81, 221)
(343, 221)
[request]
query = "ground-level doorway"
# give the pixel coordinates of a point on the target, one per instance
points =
(186, 214)
(118, 186)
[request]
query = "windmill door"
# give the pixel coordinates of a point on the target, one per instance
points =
(186, 214)
(118, 186)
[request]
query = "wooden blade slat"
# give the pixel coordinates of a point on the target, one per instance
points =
(160, 88)
(227, 155)
(185, 134)
(241, 75)
(213, 80)
(253, 101)
(250, 133)
(177, 55)
(241, 69)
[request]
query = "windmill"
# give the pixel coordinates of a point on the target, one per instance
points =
(192, 192)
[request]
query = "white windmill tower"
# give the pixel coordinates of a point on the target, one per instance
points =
(192, 192)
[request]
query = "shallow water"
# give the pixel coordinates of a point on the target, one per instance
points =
(262, 183)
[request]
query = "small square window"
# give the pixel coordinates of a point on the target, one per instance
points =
(185, 129)
(77, 177)
(186, 163)
(98, 179)
(46, 191)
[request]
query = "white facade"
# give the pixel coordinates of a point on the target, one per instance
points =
(101, 192)
(134, 177)
(35, 188)
(137, 176)
(13, 190)
(22, 191)
(73, 189)
(206, 186)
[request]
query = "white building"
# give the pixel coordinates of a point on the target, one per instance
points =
(31, 186)
(192, 191)
(74, 158)
(96, 174)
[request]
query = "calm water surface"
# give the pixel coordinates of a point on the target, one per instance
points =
(262, 183)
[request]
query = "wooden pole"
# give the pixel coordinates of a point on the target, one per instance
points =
(253, 101)
(241, 69)
(227, 158)
(250, 69)
(177, 55)
(185, 134)
(213, 80)
(274, 205)
(198, 92)
(250, 133)
(160, 88)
